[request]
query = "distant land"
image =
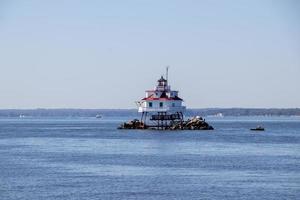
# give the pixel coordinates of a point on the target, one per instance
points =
(133, 112)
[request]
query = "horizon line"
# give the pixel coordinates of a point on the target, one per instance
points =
(136, 108)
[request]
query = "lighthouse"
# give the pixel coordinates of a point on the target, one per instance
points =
(161, 107)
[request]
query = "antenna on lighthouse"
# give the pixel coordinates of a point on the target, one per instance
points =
(167, 72)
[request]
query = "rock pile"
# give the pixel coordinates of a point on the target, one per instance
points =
(133, 124)
(196, 123)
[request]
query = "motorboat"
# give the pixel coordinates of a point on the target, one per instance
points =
(258, 128)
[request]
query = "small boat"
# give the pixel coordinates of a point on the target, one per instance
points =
(98, 116)
(258, 128)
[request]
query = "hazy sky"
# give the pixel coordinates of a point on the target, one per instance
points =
(104, 54)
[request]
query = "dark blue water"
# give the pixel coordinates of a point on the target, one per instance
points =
(90, 159)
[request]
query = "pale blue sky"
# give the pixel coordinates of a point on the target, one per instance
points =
(104, 54)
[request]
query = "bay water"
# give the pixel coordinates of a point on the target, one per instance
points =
(89, 158)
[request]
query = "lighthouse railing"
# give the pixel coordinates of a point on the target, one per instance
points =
(168, 109)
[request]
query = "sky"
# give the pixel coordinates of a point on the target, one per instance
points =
(105, 54)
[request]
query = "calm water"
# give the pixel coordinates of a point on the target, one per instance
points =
(90, 159)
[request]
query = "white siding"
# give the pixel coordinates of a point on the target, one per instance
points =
(167, 106)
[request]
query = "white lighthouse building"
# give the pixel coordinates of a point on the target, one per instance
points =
(162, 105)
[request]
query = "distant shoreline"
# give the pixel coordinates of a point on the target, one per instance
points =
(218, 112)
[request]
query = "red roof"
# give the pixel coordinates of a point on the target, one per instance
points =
(163, 99)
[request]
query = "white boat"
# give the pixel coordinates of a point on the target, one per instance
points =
(98, 116)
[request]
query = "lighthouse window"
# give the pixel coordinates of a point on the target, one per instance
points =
(150, 104)
(161, 104)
